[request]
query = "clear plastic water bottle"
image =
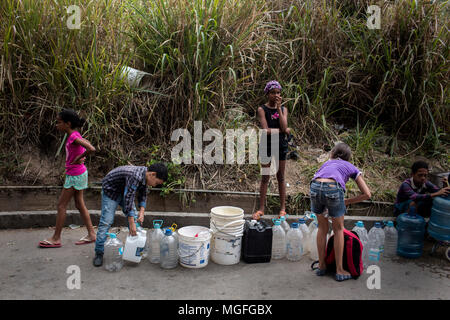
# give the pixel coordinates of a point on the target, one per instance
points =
(363, 236)
(168, 251)
(155, 240)
(390, 243)
(379, 230)
(284, 223)
(112, 258)
(313, 217)
(173, 227)
(305, 232)
(313, 252)
(361, 231)
(278, 240)
(294, 243)
(374, 245)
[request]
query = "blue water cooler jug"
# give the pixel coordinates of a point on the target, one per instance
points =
(411, 232)
(439, 224)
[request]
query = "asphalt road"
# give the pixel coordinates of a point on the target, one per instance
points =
(29, 272)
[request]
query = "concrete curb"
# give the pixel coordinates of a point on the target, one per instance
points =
(43, 219)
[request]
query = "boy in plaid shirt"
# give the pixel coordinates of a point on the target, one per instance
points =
(120, 187)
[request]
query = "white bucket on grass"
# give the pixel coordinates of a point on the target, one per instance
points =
(193, 250)
(135, 78)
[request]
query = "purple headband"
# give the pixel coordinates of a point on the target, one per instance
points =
(272, 85)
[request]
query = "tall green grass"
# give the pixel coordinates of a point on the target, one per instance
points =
(207, 57)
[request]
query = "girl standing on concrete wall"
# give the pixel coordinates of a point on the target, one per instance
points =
(273, 118)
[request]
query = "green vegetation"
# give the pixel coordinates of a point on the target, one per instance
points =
(209, 57)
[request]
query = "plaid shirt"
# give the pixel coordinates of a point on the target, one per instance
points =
(408, 191)
(126, 182)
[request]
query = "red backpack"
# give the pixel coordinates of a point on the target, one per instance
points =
(352, 260)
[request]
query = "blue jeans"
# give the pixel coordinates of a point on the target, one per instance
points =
(109, 207)
(423, 207)
(327, 195)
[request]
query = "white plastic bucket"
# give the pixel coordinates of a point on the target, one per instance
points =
(235, 231)
(227, 225)
(135, 78)
(226, 250)
(194, 251)
(227, 213)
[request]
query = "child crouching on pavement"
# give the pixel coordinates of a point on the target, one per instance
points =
(120, 187)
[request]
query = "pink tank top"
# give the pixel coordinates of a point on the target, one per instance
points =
(72, 151)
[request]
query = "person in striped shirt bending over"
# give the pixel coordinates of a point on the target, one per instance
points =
(120, 187)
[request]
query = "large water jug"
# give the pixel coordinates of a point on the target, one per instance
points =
(284, 223)
(373, 250)
(411, 232)
(377, 229)
(134, 246)
(257, 242)
(313, 252)
(439, 224)
(140, 229)
(313, 217)
(155, 240)
(305, 232)
(363, 236)
(390, 243)
(168, 251)
(173, 227)
(112, 258)
(361, 231)
(294, 243)
(278, 240)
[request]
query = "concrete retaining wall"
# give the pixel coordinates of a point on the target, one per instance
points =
(46, 198)
(41, 219)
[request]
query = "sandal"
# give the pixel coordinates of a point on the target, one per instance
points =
(84, 240)
(257, 215)
(47, 244)
(343, 277)
(321, 272)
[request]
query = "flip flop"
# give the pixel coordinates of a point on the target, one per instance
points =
(84, 240)
(259, 213)
(321, 272)
(343, 277)
(48, 244)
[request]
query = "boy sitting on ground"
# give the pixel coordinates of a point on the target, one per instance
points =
(120, 187)
(418, 191)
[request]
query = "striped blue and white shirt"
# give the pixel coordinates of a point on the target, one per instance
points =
(129, 183)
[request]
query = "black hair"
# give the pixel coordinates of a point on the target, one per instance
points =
(160, 169)
(419, 165)
(69, 115)
(341, 150)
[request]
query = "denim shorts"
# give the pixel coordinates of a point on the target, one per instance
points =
(327, 195)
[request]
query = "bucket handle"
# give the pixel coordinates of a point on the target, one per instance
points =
(228, 224)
